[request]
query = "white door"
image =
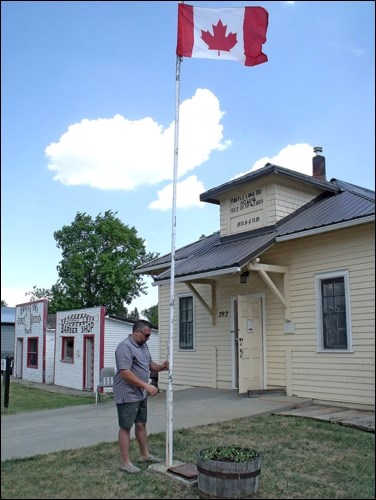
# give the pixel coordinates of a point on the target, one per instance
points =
(89, 363)
(19, 359)
(250, 355)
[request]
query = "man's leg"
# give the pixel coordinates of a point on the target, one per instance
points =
(124, 439)
(142, 438)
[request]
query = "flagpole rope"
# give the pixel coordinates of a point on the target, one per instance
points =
(169, 399)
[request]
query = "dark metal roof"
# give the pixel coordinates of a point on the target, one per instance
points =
(212, 196)
(367, 193)
(343, 207)
(181, 253)
(221, 255)
(340, 204)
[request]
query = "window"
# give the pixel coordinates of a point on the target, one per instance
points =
(186, 323)
(32, 352)
(68, 349)
(333, 318)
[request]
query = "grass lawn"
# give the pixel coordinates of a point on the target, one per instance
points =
(24, 397)
(301, 458)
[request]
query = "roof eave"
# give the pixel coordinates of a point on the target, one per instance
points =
(212, 195)
(153, 269)
(325, 229)
(197, 276)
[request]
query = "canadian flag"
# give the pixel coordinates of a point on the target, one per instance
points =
(235, 33)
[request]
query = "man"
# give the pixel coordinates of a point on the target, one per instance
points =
(131, 388)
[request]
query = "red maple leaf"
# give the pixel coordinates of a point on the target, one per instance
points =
(219, 41)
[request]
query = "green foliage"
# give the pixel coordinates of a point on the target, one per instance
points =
(228, 454)
(151, 314)
(99, 257)
(134, 314)
(3, 303)
(40, 294)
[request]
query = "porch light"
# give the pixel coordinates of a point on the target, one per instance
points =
(244, 277)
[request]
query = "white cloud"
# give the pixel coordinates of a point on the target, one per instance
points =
(187, 195)
(296, 157)
(117, 153)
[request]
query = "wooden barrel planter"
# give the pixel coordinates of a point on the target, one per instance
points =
(224, 478)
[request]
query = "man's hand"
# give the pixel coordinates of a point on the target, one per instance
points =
(164, 366)
(151, 390)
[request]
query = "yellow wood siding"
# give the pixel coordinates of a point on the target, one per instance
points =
(291, 359)
(276, 201)
(330, 376)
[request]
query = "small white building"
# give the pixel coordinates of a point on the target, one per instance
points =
(69, 348)
(34, 342)
(86, 340)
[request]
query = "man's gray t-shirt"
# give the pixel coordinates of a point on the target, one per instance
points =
(131, 356)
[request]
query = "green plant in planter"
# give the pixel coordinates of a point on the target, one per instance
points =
(229, 454)
(228, 472)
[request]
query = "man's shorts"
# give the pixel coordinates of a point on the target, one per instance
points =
(129, 413)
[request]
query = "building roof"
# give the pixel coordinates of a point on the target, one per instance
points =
(213, 195)
(339, 205)
(8, 315)
(130, 321)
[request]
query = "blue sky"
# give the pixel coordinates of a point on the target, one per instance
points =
(88, 108)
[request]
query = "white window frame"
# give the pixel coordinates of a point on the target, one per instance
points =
(319, 277)
(182, 296)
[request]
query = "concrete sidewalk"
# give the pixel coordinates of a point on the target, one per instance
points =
(41, 432)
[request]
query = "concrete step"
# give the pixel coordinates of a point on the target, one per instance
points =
(262, 392)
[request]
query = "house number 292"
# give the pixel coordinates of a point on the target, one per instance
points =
(222, 314)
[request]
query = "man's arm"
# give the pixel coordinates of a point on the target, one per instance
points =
(156, 367)
(133, 379)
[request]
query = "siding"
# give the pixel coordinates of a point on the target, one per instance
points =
(115, 332)
(31, 319)
(278, 200)
(291, 360)
(70, 374)
(341, 377)
(7, 340)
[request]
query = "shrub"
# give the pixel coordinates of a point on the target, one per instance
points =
(228, 454)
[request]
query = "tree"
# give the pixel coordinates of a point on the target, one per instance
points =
(134, 314)
(97, 267)
(40, 293)
(151, 314)
(3, 303)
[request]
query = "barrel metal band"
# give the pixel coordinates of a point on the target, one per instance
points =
(228, 475)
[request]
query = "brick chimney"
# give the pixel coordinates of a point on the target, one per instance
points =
(318, 164)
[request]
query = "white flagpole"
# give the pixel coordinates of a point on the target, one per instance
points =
(170, 397)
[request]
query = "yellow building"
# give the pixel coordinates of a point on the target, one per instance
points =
(282, 297)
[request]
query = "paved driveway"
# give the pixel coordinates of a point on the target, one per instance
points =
(28, 434)
(40, 432)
